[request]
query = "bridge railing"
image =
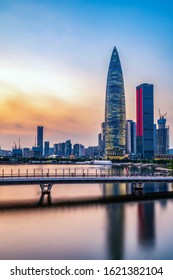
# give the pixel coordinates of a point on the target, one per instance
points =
(42, 173)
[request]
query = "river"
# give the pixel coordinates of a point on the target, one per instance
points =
(36, 227)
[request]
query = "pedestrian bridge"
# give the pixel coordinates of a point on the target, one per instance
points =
(46, 182)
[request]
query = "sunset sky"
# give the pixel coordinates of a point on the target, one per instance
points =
(54, 57)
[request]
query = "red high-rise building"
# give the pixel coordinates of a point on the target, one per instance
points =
(145, 120)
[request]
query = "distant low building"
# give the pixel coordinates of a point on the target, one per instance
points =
(17, 153)
(27, 153)
(36, 152)
(5, 153)
(92, 152)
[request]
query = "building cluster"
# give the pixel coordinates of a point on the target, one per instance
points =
(42, 149)
(119, 137)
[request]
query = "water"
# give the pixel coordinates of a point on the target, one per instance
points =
(33, 227)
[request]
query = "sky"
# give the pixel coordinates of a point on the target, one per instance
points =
(54, 58)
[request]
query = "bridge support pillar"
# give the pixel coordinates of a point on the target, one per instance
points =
(138, 188)
(46, 188)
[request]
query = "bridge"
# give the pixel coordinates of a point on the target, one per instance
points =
(47, 180)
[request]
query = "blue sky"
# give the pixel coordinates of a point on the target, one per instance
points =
(54, 58)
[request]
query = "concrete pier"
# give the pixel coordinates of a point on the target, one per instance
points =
(46, 188)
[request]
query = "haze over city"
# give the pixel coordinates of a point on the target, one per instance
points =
(54, 58)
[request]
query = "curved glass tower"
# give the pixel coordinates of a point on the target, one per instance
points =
(115, 113)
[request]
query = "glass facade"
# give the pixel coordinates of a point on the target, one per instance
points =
(162, 137)
(145, 120)
(40, 139)
(130, 137)
(115, 115)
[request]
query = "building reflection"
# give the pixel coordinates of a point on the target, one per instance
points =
(158, 187)
(146, 214)
(164, 187)
(116, 189)
(146, 223)
(115, 222)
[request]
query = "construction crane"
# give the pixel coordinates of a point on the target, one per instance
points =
(15, 146)
(162, 116)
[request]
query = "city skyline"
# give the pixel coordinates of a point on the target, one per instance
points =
(54, 57)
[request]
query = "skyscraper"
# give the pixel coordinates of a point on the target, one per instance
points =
(130, 137)
(40, 139)
(162, 136)
(78, 150)
(115, 115)
(68, 148)
(46, 148)
(145, 120)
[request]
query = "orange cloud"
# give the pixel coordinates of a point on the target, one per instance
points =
(21, 113)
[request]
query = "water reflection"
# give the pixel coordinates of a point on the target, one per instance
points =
(128, 188)
(116, 189)
(65, 226)
(45, 200)
(115, 231)
(146, 224)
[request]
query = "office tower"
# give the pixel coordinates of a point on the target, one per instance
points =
(78, 150)
(103, 130)
(59, 149)
(130, 137)
(46, 148)
(55, 146)
(68, 148)
(63, 149)
(100, 140)
(162, 136)
(155, 138)
(36, 152)
(100, 144)
(115, 116)
(145, 120)
(81, 150)
(40, 139)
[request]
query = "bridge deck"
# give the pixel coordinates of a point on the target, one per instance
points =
(72, 180)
